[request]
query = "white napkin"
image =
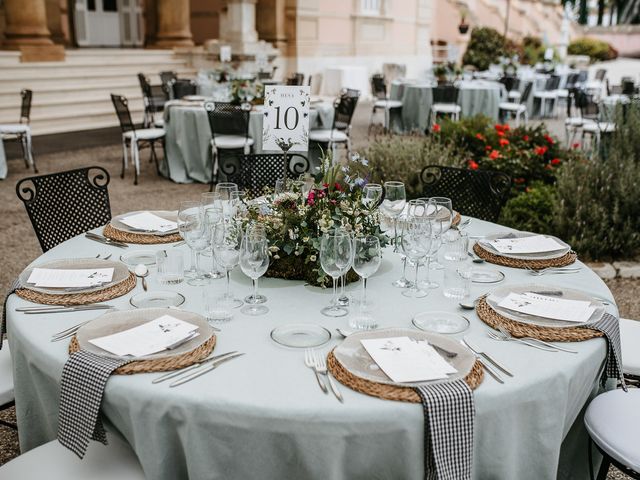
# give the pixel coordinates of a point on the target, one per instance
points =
(531, 244)
(59, 278)
(406, 360)
(148, 338)
(150, 222)
(578, 311)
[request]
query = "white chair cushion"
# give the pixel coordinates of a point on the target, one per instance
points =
(326, 136)
(573, 121)
(446, 108)
(512, 107)
(158, 122)
(146, 133)
(232, 141)
(14, 128)
(514, 94)
(545, 95)
(630, 338)
(602, 127)
(562, 93)
(54, 462)
(613, 422)
(6, 375)
(388, 104)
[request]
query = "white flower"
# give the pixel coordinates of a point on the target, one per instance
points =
(276, 257)
(313, 258)
(273, 248)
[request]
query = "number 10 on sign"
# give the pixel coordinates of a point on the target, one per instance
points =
(286, 119)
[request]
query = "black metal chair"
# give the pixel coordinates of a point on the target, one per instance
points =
(7, 397)
(475, 193)
(517, 108)
(548, 94)
(21, 131)
(445, 102)
(594, 122)
(381, 101)
(182, 87)
(154, 98)
(65, 204)
(167, 76)
(296, 79)
(256, 171)
(340, 132)
(229, 125)
(135, 138)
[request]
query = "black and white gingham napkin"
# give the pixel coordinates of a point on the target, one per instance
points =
(449, 412)
(610, 326)
(84, 378)
(3, 323)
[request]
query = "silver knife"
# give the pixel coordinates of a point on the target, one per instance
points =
(65, 310)
(207, 369)
(490, 371)
(105, 240)
(169, 375)
(477, 351)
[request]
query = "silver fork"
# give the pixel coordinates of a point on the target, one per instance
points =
(503, 338)
(309, 362)
(321, 367)
(67, 332)
(107, 257)
(506, 333)
(553, 270)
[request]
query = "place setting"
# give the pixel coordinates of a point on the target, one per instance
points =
(144, 227)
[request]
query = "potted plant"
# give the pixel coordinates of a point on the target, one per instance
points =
(463, 27)
(440, 72)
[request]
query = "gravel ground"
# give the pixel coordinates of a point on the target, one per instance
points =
(21, 247)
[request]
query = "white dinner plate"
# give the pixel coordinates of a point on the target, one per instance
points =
(120, 274)
(355, 358)
(116, 222)
(565, 248)
(114, 322)
(499, 294)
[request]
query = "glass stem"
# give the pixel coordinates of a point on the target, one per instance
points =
(193, 260)
(334, 300)
(415, 285)
(404, 267)
(255, 289)
(395, 235)
(228, 283)
(364, 292)
(342, 279)
(198, 273)
(427, 268)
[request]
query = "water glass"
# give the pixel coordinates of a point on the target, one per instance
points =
(335, 256)
(371, 195)
(227, 200)
(226, 250)
(457, 269)
(188, 208)
(170, 265)
(216, 307)
(254, 262)
(366, 261)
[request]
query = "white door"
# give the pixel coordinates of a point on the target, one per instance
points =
(101, 23)
(131, 28)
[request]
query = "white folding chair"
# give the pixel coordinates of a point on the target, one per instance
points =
(21, 131)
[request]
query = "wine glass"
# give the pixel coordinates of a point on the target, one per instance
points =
(343, 300)
(212, 209)
(440, 215)
(416, 241)
(188, 207)
(254, 261)
(226, 250)
(255, 297)
(196, 235)
(335, 256)
(366, 261)
(225, 189)
(395, 199)
(371, 195)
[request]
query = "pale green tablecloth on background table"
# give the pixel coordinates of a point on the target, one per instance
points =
(3, 161)
(188, 139)
(262, 416)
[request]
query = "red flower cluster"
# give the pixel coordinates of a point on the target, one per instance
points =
(494, 154)
(473, 165)
(576, 146)
(503, 142)
(526, 138)
(519, 180)
(555, 161)
(479, 136)
(541, 150)
(435, 128)
(549, 139)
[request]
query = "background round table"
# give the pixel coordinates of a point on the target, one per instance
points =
(263, 416)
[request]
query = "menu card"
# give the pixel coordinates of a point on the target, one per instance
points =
(152, 337)
(406, 360)
(77, 278)
(531, 244)
(149, 222)
(530, 303)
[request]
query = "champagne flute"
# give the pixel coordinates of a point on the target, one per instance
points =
(254, 261)
(440, 216)
(212, 209)
(343, 300)
(416, 241)
(226, 250)
(371, 195)
(225, 189)
(255, 297)
(186, 208)
(335, 255)
(196, 234)
(395, 199)
(366, 261)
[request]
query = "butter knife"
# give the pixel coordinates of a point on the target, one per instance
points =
(105, 240)
(479, 352)
(169, 375)
(204, 370)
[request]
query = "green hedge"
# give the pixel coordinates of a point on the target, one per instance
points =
(597, 50)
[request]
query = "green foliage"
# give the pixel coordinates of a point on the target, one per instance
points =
(597, 50)
(485, 47)
(532, 51)
(531, 210)
(598, 211)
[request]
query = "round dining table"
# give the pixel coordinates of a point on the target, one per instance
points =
(263, 416)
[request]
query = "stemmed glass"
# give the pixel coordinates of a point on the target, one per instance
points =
(395, 199)
(343, 300)
(416, 241)
(226, 250)
(366, 261)
(212, 210)
(255, 297)
(371, 195)
(254, 261)
(225, 190)
(196, 234)
(335, 257)
(440, 215)
(186, 209)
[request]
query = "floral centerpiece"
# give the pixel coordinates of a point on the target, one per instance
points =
(296, 220)
(247, 90)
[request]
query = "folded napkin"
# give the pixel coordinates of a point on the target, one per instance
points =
(449, 412)
(3, 323)
(610, 326)
(84, 378)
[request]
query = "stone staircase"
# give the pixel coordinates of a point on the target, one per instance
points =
(75, 94)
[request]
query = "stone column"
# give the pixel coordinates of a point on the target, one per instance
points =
(26, 23)
(241, 24)
(174, 24)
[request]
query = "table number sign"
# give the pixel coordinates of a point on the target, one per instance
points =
(286, 119)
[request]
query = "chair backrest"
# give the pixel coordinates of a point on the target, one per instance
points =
(183, 87)
(145, 86)
(587, 105)
(256, 171)
(65, 204)
(583, 76)
(600, 74)
(167, 76)
(227, 119)
(445, 94)
(553, 82)
(526, 93)
(344, 107)
(572, 79)
(476, 193)
(296, 79)
(122, 110)
(509, 82)
(628, 86)
(25, 107)
(378, 87)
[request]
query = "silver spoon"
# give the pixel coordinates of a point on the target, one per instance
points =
(471, 304)
(142, 271)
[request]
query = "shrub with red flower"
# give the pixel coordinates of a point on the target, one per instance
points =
(494, 154)
(503, 142)
(541, 150)
(555, 161)
(473, 165)
(436, 128)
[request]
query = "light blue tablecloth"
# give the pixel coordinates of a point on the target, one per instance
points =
(3, 161)
(188, 139)
(263, 416)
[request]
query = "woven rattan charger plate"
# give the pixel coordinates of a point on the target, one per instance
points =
(160, 364)
(128, 237)
(390, 392)
(79, 298)
(563, 261)
(548, 334)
